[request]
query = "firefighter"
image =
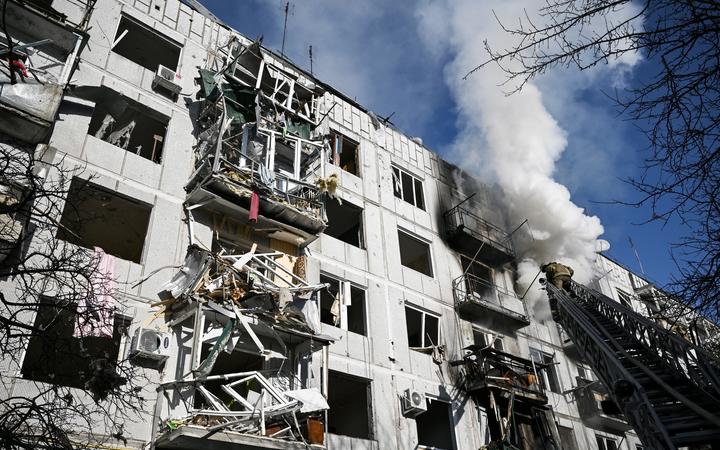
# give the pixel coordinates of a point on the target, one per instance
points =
(558, 274)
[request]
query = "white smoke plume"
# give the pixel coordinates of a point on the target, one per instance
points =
(512, 140)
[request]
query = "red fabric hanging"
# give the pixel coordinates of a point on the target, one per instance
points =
(254, 207)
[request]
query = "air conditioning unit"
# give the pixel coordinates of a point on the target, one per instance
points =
(166, 79)
(414, 403)
(151, 344)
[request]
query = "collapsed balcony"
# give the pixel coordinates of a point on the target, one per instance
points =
(476, 298)
(597, 409)
(256, 160)
(511, 392)
(472, 235)
(37, 64)
(251, 324)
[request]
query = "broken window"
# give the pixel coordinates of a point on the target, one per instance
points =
(408, 188)
(548, 376)
(350, 402)
(145, 46)
(336, 311)
(605, 443)
(130, 125)
(235, 361)
(435, 426)
(423, 328)
(482, 338)
(567, 438)
(56, 356)
(585, 372)
(344, 222)
(478, 277)
(415, 253)
(96, 217)
(345, 153)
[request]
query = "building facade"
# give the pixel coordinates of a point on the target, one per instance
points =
(391, 271)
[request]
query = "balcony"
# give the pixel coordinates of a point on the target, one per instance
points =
(488, 369)
(470, 234)
(477, 298)
(591, 395)
(45, 48)
(282, 174)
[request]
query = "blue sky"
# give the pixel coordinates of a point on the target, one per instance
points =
(405, 58)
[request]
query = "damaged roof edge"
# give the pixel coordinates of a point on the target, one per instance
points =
(328, 88)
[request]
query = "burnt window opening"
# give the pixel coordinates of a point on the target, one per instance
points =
(56, 356)
(423, 328)
(345, 153)
(605, 443)
(479, 277)
(484, 339)
(344, 222)
(350, 402)
(415, 253)
(548, 376)
(435, 426)
(97, 217)
(408, 188)
(129, 125)
(347, 315)
(145, 46)
(567, 438)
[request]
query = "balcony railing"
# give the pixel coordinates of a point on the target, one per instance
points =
(44, 48)
(475, 297)
(471, 234)
(488, 368)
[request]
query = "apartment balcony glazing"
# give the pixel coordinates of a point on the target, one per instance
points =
(477, 298)
(591, 395)
(37, 63)
(470, 234)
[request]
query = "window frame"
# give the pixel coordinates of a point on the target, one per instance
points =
(346, 287)
(121, 326)
(361, 227)
(369, 400)
(602, 442)
(411, 236)
(337, 136)
(397, 173)
(139, 23)
(81, 186)
(486, 335)
(544, 375)
(423, 313)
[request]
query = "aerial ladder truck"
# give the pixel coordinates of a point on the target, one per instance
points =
(667, 388)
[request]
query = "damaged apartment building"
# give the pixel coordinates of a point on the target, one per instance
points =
(291, 271)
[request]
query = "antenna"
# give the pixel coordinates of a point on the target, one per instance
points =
(311, 59)
(287, 9)
(632, 246)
